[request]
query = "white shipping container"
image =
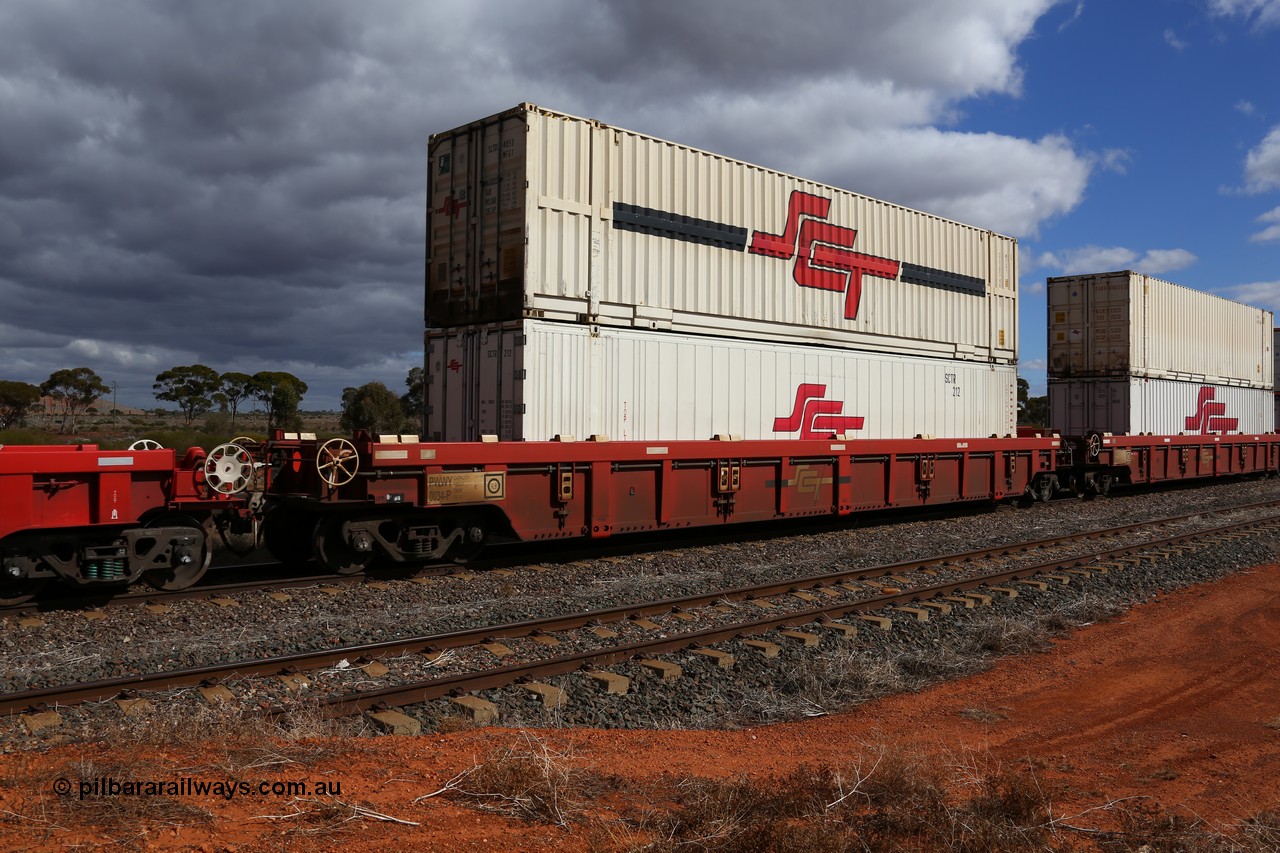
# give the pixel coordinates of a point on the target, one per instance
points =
(1132, 405)
(533, 380)
(1126, 324)
(536, 214)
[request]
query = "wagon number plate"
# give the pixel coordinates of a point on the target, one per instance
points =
(466, 487)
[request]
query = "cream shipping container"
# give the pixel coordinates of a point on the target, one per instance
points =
(1123, 324)
(1135, 404)
(535, 379)
(534, 214)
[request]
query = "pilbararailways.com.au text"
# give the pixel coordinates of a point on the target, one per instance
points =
(187, 786)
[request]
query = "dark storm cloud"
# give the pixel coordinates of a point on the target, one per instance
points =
(192, 183)
(243, 184)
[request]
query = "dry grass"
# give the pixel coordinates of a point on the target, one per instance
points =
(1262, 830)
(887, 801)
(893, 801)
(527, 780)
(882, 801)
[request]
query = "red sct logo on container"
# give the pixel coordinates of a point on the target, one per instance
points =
(816, 418)
(822, 251)
(1208, 417)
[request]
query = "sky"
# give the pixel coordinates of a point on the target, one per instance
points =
(242, 184)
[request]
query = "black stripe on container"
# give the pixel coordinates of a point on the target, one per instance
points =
(645, 220)
(913, 274)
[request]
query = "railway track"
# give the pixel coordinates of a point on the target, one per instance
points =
(594, 640)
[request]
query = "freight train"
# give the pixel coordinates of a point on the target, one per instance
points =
(729, 344)
(92, 518)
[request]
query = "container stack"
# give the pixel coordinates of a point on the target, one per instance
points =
(1132, 354)
(588, 280)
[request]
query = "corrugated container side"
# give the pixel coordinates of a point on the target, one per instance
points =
(622, 229)
(1127, 324)
(536, 379)
(1133, 405)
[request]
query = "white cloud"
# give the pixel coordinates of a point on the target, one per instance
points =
(1262, 293)
(1261, 13)
(999, 182)
(1089, 259)
(126, 356)
(1114, 160)
(1165, 260)
(1246, 108)
(1271, 232)
(1171, 39)
(1262, 164)
(1075, 16)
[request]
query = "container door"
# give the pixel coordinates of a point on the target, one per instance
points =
(475, 223)
(1067, 328)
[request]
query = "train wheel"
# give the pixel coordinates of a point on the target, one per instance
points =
(15, 592)
(336, 552)
(1045, 487)
(286, 534)
(196, 558)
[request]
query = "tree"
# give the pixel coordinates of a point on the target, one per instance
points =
(281, 393)
(1037, 411)
(235, 388)
(413, 403)
(191, 387)
(74, 389)
(373, 407)
(16, 399)
(1032, 411)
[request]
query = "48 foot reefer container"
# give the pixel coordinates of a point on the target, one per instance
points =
(534, 214)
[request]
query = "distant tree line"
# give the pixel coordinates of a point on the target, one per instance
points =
(197, 389)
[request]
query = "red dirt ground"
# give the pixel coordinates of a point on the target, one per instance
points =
(1178, 700)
